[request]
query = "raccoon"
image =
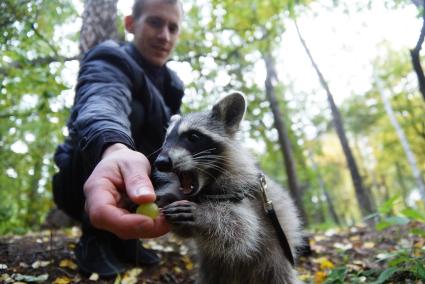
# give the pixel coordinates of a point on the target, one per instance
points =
(214, 196)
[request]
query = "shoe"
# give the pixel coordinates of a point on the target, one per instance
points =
(94, 253)
(133, 252)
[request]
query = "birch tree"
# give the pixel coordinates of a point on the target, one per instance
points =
(401, 136)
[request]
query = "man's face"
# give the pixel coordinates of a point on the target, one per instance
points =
(156, 30)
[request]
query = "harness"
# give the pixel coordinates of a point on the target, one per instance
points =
(268, 208)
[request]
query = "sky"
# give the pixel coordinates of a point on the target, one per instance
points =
(345, 45)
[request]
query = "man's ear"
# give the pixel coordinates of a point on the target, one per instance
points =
(129, 23)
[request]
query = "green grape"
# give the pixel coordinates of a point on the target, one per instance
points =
(148, 209)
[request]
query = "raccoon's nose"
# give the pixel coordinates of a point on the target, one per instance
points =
(163, 163)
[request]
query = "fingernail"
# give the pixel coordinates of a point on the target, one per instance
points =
(143, 191)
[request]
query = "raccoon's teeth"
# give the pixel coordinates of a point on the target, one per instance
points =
(186, 181)
(186, 190)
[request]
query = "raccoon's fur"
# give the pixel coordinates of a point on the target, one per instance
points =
(215, 198)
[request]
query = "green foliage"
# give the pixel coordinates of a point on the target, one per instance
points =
(401, 265)
(31, 111)
(391, 216)
(337, 276)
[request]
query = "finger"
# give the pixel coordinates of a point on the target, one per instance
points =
(130, 226)
(136, 178)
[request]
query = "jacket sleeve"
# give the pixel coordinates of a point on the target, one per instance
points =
(102, 105)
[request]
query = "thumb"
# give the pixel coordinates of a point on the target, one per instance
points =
(138, 185)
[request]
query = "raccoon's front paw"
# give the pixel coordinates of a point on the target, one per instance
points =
(180, 212)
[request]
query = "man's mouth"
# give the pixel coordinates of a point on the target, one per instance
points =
(161, 49)
(188, 182)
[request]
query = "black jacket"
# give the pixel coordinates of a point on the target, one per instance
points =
(119, 99)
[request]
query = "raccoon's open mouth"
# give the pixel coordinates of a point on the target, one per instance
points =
(188, 182)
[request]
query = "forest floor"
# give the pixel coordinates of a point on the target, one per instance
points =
(350, 255)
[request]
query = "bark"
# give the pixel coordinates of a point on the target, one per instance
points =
(402, 137)
(363, 199)
(99, 23)
(324, 190)
(415, 56)
(284, 141)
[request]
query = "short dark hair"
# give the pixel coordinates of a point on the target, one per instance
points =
(138, 7)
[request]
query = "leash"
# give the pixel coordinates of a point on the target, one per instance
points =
(268, 207)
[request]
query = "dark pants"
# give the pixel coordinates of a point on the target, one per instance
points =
(68, 185)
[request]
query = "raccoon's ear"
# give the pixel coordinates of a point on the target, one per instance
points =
(174, 118)
(230, 110)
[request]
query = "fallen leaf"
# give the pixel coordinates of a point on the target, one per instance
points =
(343, 246)
(369, 245)
(62, 280)
(324, 263)
(40, 263)
(67, 263)
(355, 238)
(30, 278)
(188, 264)
(319, 277)
(130, 276)
(5, 278)
(304, 277)
(94, 277)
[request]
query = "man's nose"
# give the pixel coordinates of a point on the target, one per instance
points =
(164, 34)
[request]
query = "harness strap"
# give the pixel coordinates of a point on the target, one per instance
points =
(268, 207)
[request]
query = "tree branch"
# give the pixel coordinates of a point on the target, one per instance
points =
(37, 61)
(37, 33)
(415, 55)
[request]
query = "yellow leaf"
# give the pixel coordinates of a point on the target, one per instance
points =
(67, 263)
(324, 263)
(319, 277)
(62, 280)
(355, 238)
(130, 276)
(369, 245)
(304, 277)
(188, 264)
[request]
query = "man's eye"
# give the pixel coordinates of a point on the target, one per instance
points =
(173, 29)
(156, 23)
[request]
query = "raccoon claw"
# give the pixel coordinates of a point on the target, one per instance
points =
(180, 212)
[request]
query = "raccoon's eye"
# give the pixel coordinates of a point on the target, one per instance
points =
(194, 137)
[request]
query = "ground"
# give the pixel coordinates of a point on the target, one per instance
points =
(351, 255)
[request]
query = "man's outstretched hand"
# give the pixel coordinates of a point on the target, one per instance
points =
(122, 173)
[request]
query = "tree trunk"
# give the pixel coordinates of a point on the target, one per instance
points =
(284, 140)
(402, 137)
(324, 190)
(415, 56)
(99, 23)
(365, 204)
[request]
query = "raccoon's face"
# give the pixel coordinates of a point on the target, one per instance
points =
(195, 146)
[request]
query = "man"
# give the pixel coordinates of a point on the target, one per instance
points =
(124, 98)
